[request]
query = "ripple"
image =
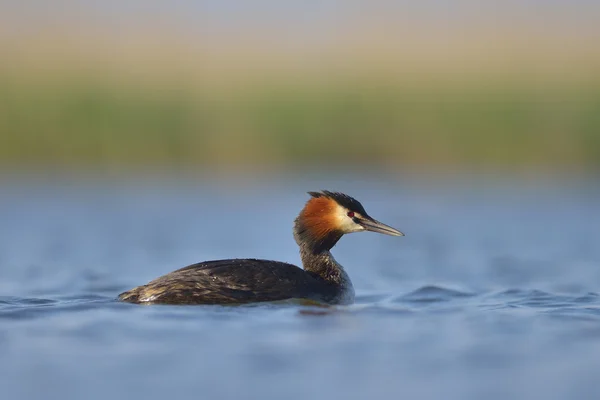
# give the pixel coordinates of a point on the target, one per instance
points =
(433, 294)
(24, 301)
(581, 313)
(588, 298)
(443, 299)
(29, 307)
(538, 299)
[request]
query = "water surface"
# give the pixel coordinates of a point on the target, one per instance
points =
(493, 292)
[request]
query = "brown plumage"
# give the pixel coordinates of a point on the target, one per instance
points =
(318, 225)
(321, 223)
(318, 216)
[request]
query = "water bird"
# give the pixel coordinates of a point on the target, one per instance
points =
(325, 218)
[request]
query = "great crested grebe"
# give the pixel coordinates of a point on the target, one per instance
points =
(321, 223)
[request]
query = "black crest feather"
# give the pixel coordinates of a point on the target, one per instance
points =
(343, 200)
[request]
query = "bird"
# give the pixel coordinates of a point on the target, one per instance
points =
(325, 218)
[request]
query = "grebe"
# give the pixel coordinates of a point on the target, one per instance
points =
(321, 223)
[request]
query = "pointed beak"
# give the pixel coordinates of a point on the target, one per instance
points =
(375, 226)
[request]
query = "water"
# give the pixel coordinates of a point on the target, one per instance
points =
(493, 293)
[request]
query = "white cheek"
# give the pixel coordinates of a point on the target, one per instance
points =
(345, 223)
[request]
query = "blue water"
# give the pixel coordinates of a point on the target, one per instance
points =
(493, 293)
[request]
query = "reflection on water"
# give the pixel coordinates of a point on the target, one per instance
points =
(493, 292)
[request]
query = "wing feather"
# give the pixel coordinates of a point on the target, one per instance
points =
(230, 281)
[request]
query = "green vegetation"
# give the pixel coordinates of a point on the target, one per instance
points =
(87, 122)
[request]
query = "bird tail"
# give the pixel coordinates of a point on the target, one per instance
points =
(131, 296)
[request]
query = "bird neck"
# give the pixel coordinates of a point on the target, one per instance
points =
(322, 264)
(315, 245)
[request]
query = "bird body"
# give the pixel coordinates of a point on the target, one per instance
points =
(322, 222)
(238, 281)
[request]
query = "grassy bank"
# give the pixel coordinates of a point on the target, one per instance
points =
(85, 121)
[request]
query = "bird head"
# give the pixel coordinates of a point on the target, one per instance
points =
(327, 216)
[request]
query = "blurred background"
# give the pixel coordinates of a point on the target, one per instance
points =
(137, 137)
(232, 86)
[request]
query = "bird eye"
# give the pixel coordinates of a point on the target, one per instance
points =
(351, 214)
